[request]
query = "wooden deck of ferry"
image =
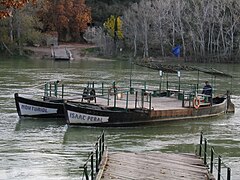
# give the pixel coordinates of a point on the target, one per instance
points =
(152, 166)
(157, 103)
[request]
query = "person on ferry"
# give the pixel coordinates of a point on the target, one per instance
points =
(207, 90)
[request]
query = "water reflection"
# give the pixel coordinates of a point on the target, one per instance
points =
(38, 123)
(49, 149)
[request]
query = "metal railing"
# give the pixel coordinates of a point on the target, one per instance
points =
(53, 89)
(214, 160)
(91, 166)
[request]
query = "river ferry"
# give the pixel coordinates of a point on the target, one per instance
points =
(138, 105)
(126, 109)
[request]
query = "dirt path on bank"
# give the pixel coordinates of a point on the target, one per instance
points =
(78, 51)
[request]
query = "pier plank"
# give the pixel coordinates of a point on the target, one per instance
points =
(154, 165)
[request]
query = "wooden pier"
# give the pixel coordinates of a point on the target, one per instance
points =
(102, 165)
(60, 53)
(152, 166)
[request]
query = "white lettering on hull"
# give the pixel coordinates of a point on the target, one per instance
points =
(27, 109)
(78, 118)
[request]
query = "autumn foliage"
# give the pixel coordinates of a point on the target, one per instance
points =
(68, 17)
(7, 4)
(113, 25)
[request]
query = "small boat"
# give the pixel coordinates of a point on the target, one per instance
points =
(50, 108)
(50, 105)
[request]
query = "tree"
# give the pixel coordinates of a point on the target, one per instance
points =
(19, 26)
(68, 17)
(8, 5)
(206, 30)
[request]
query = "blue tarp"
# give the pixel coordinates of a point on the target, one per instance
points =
(176, 50)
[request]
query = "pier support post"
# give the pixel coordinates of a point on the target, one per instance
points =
(200, 145)
(92, 169)
(228, 173)
(219, 167)
(211, 164)
(205, 151)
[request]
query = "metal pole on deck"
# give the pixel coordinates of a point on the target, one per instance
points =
(130, 83)
(179, 81)
(46, 89)
(127, 101)
(198, 81)
(62, 90)
(50, 89)
(102, 88)
(160, 83)
(55, 89)
(167, 81)
(115, 93)
(150, 101)
(136, 99)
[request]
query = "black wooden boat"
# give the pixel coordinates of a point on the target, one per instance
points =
(128, 107)
(47, 108)
(99, 115)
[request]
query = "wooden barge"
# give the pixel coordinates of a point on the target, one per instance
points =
(132, 110)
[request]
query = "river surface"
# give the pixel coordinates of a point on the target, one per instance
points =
(49, 149)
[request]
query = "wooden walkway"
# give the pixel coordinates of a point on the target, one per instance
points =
(152, 166)
(61, 53)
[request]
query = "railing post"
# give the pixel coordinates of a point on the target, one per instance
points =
(219, 167)
(96, 157)
(46, 89)
(55, 89)
(115, 93)
(103, 142)
(127, 101)
(50, 90)
(200, 145)
(100, 149)
(102, 88)
(92, 168)
(142, 98)
(211, 164)
(205, 151)
(108, 98)
(150, 101)
(183, 99)
(62, 90)
(136, 99)
(86, 172)
(228, 173)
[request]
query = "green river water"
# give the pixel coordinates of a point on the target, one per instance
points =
(49, 149)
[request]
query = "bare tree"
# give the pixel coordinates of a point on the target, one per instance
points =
(205, 29)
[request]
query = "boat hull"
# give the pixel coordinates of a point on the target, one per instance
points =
(34, 108)
(96, 115)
